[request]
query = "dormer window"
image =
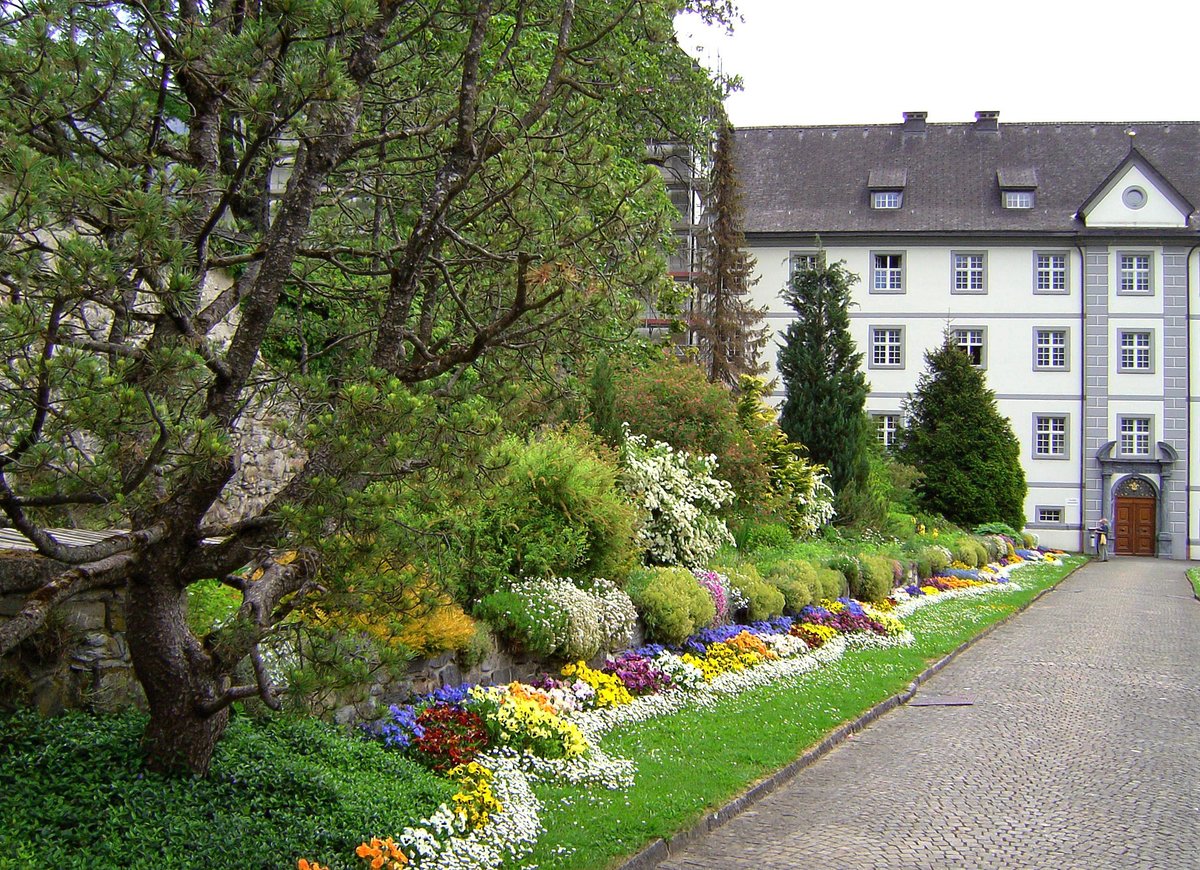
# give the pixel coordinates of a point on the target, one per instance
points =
(887, 198)
(1017, 186)
(887, 187)
(1018, 199)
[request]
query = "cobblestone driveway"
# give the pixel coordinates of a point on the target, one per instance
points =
(1082, 750)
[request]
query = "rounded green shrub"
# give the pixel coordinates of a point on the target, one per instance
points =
(1029, 540)
(764, 599)
(982, 557)
(939, 559)
(924, 565)
(850, 568)
(671, 602)
(831, 583)
(965, 552)
(878, 574)
(796, 579)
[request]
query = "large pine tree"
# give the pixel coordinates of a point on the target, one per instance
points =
(822, 375)
(728, 329)
(966, 449)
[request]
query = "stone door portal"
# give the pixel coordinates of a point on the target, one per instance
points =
(1134, 526)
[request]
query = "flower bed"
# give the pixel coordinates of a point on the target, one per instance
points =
(550, 730)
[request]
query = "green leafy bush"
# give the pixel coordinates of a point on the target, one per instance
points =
(763, 599)
(671, 603)
(939, 558)
(998, 529)
(754, 536)
(796, 579)
(924, 565)
(849, 568)
(1030, 540)
(555, 510)
(831, 583)
(76, 795)
(964, 552)
(669, 399)
(876, 579)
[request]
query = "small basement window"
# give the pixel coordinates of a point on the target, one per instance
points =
(1050, 515)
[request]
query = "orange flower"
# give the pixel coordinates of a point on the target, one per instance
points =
(303, 864)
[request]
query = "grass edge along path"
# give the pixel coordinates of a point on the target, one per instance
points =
(1193, 576)
(694, 760)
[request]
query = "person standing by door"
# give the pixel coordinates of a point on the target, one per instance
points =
(1102, 539)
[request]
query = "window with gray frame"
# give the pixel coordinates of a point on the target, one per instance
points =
(1018, 199)
(886, 426)
(1135, 435)
(887, 347)
(803, 261)
(1134, 274)
(1136, 351)
(886, 199)
(970, 340)
(887, 273)
(1050, 349)
(969, 273)
(1050, 515)
(1050, 436)
(1050, 272)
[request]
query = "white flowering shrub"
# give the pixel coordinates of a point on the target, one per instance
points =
(679, 497)
(555, 617)
(811, 506)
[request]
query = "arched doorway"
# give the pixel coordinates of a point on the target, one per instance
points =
(1135, 511)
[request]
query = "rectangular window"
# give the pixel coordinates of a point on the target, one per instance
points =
(1133, 273)
(887, 347)
(886, 426)
(804, 261)
(1049, 515)
(970, 342)
(1136, 352)
(968, 273)
(1050, 349)
(1018, 199)
(886, 198)
(1050, 437)
(1135, 436)
(1050, 273)
(887, 273)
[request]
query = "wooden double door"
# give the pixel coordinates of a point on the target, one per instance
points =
(1135, 528)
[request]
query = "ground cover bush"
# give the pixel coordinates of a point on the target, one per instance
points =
(555, 617)
(762, 599)
(671, 602)
(74, 793)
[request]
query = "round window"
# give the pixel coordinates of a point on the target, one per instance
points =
(1134, 197)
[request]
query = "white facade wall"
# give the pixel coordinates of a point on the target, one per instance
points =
(1009, 312)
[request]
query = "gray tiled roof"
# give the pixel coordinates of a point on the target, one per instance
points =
(816, 179)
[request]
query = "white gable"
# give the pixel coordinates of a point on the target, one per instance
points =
(1117, 205)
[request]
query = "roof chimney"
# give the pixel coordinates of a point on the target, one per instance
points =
(914, 122)
(989, 121)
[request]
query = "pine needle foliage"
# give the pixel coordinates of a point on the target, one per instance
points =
(964, 447)
(728, 328)
(821, 370)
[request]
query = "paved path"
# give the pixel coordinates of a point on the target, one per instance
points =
(1081, 752)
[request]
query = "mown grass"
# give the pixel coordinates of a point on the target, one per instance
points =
(1193, 575)
(695, 761)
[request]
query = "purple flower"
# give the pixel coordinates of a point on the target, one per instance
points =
(403, 729)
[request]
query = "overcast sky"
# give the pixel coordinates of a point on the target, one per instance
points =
(866, 61)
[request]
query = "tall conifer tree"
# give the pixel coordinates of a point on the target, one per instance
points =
(729, 329)
(966, 449)
(821, 369)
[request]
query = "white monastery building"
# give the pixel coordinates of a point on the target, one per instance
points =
(1064, 260)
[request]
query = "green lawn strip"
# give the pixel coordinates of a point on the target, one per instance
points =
(694, 761)
(1193, 575)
